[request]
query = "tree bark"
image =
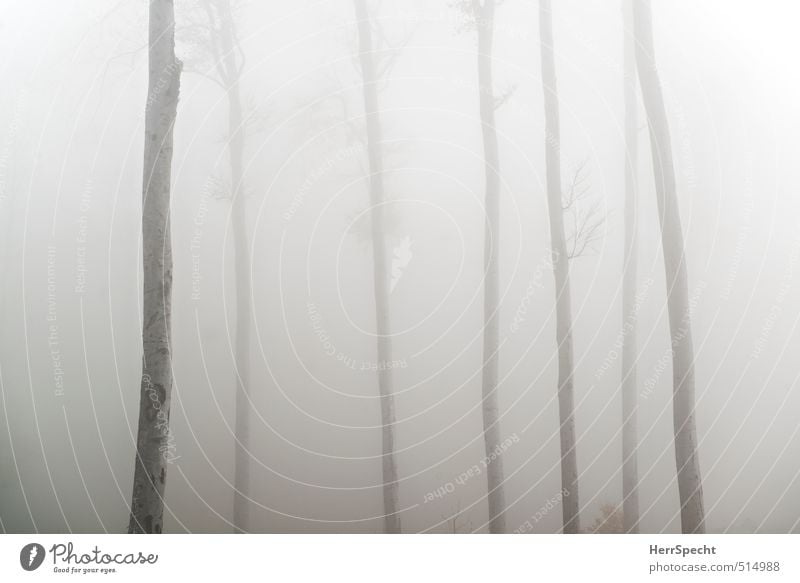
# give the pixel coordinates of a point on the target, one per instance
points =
(566, 397)
(231, 76)
(380, 268)
(683, 400)
(630, 438)
(152, 443)
(491, 290)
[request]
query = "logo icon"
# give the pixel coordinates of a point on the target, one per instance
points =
(31, 556)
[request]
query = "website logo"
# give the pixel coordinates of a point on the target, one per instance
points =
(31, 556)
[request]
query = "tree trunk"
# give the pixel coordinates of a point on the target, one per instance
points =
(686, 457)
(241, 251)
(152, 443)
(491, 267)
(630, 438)
(380, 269)
(566, 397)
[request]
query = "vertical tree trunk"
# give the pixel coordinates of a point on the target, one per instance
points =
(231, 77)
(147, 502)
(686, 457)
(380, 268)
(566, 397)
(630, 438)
(491, 291)
(241, 479)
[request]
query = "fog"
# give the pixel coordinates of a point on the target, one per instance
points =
(74, 80)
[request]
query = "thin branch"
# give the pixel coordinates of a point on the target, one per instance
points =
(587, 222)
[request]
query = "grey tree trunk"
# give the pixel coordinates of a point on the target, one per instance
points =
(566, 394)
(683, 401)
(630, 438)
(231, 75)
(380, 267)
(147, 501)
(491, 291)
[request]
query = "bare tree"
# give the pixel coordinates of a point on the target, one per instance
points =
(483, 14)
(630, 438)
(370, 76)
(560, 257)
(209, 28)
(147, 501)
(683, 401)
(229, 61)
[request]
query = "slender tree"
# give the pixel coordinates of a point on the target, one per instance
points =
(560, 257)
(211, 32)
(484, 19)
(147, 501)
(381, 272)
(630, 439)
(683, 400)
(229, 62)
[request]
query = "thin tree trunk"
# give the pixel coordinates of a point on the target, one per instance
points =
(683, 401)
(630, 438)
(491, 267)
(147, 502)
(380, 268)
(231, 77)
(566, 394)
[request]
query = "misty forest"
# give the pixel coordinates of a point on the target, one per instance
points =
(375, 266)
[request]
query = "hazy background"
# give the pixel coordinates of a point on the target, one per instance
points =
(73, 81)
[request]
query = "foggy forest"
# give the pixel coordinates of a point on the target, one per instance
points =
(418, 266)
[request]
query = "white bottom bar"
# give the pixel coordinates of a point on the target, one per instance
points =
(404, 558)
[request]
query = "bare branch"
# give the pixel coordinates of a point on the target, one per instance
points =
(585, 217)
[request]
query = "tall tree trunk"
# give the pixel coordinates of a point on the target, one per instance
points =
(566, 393)
(491, 256)
(630, 438)
(683, 401)
(380, 268)
(147, 502)
(231, 76)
